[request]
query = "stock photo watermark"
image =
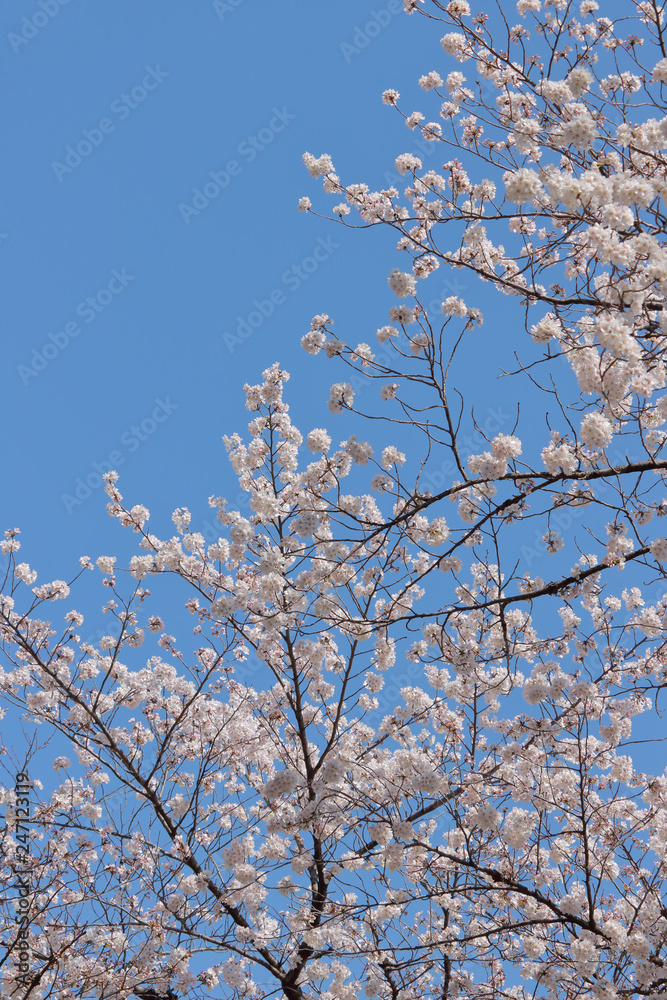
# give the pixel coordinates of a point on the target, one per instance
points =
(88, 310)
(222, 7)
(249, 150)
(32, 25)
(292, 279)
(21, 870)
(130, 441)
(365, 33)
(122, 107)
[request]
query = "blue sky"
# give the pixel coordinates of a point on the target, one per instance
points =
(130, 281)
(154, 257)
(122, 304)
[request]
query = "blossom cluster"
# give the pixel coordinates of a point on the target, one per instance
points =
(398, 754)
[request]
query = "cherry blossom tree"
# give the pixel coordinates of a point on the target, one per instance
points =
(491, 830)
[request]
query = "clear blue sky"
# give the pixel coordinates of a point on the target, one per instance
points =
(122, 295)
(124, 290)
(153, 167)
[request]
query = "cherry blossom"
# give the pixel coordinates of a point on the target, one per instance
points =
(411, 748)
